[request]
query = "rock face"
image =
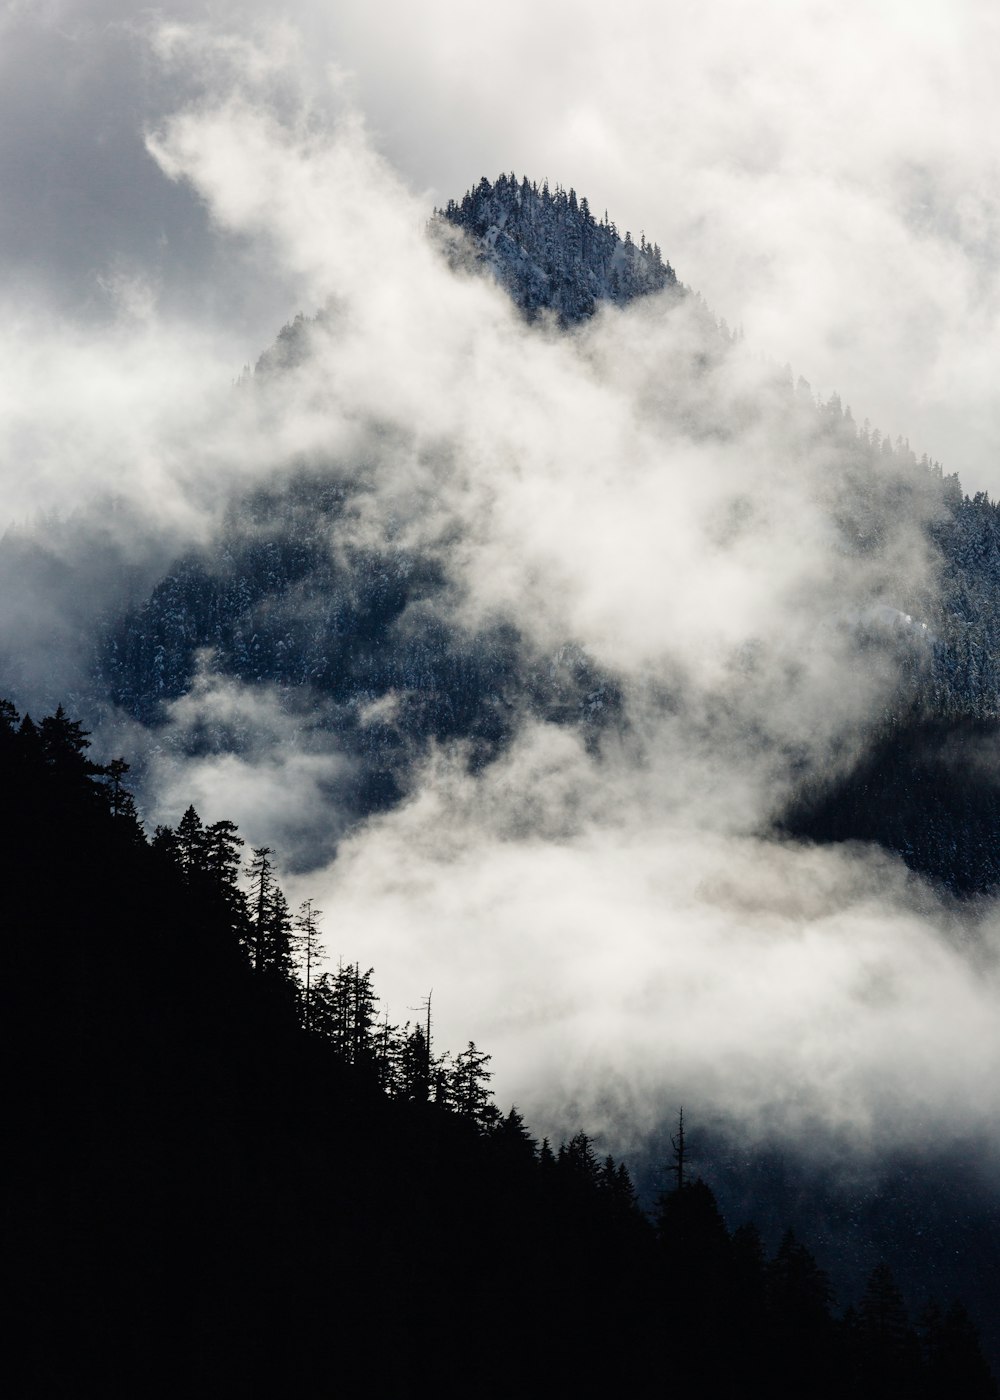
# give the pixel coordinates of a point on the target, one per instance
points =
(550, 253)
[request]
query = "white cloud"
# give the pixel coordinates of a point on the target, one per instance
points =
(617, 959)
(254, 756)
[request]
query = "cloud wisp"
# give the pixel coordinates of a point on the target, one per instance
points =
(785, 159)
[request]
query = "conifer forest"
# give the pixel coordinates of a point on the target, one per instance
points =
(231, 1175)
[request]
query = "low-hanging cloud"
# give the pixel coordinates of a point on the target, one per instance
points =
(608, 916)
(619, 958)
(250, 755)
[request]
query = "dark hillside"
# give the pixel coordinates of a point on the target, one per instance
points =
(224, 1185)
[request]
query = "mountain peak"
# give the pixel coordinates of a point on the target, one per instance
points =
(549, 252)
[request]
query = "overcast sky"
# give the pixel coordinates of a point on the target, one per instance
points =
(825, 173)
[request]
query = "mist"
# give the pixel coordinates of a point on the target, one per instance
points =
(784, 158)
(610, 916)
(621, 961)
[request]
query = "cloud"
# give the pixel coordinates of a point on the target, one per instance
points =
(618, 959)
(614, 920)
(252, 755)
(608, 918)
(784, 157)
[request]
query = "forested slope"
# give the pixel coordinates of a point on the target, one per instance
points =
(363, 639)
(550, 253)
(231, 1179)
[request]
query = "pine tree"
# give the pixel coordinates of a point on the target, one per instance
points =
(308, 949)
(580, 1158)
(953, 1358)
(166, 845)
(9, 718)
(221, 854)
(121, 804)
(514, 1140)
(64, 743)
(191, 844)
(889, 1349)
(270, 926)
(363, 1016)
(116, 771)
(469, 1084)
(414, 1065)
(278, 945)
(800, 1324)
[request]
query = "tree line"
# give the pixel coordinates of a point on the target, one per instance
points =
(231, 1175)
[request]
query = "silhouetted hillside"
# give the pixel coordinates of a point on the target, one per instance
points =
(230, 1178)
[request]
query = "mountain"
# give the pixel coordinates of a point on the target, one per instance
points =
(924, 786)
(548, 251)
(362, 645)
(369, 648)
(293, 613)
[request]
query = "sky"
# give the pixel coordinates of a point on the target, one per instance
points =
(176, 185)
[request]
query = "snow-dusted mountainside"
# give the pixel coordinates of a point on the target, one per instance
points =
(363, 642)
(550, 253)
(358, 642)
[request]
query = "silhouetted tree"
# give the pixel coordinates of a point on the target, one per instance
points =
(269, 924)
(953, 1359)
(888, 1346)
(800, 1323)
(191, 844)
(469, 1085)
(679, 1151)
(414, 1065)
(308, 948)
(578, 1160)
(514, 1140)
(64, 744)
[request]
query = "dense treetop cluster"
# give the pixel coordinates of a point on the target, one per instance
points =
(550, 253)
